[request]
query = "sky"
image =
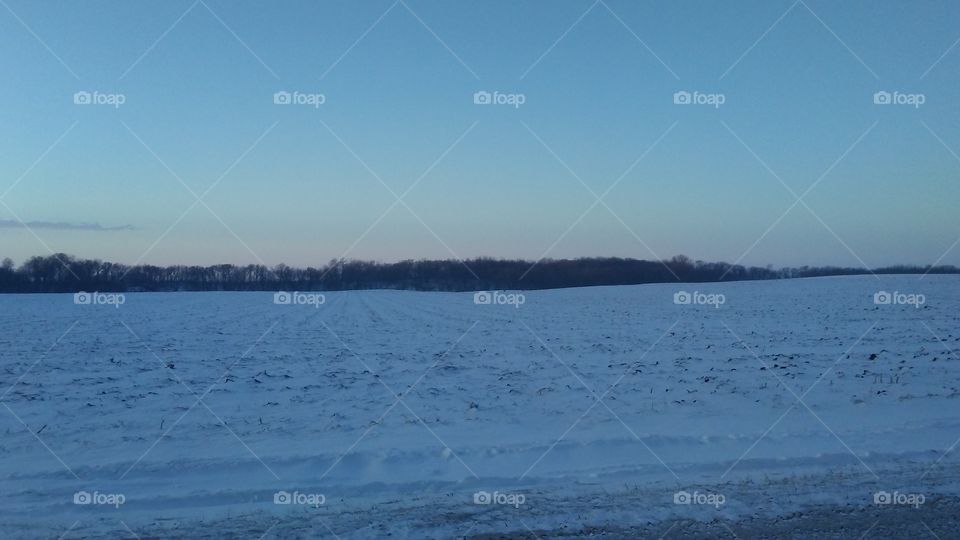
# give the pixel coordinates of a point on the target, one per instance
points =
(202, 132)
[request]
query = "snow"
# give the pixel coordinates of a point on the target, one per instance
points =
(398, 407)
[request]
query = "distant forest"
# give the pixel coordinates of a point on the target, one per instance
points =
(64, 273)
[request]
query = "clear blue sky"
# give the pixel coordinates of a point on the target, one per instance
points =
(198, 79)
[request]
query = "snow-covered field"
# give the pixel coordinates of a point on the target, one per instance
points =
(427, 415)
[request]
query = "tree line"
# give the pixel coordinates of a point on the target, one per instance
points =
(65, 273)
